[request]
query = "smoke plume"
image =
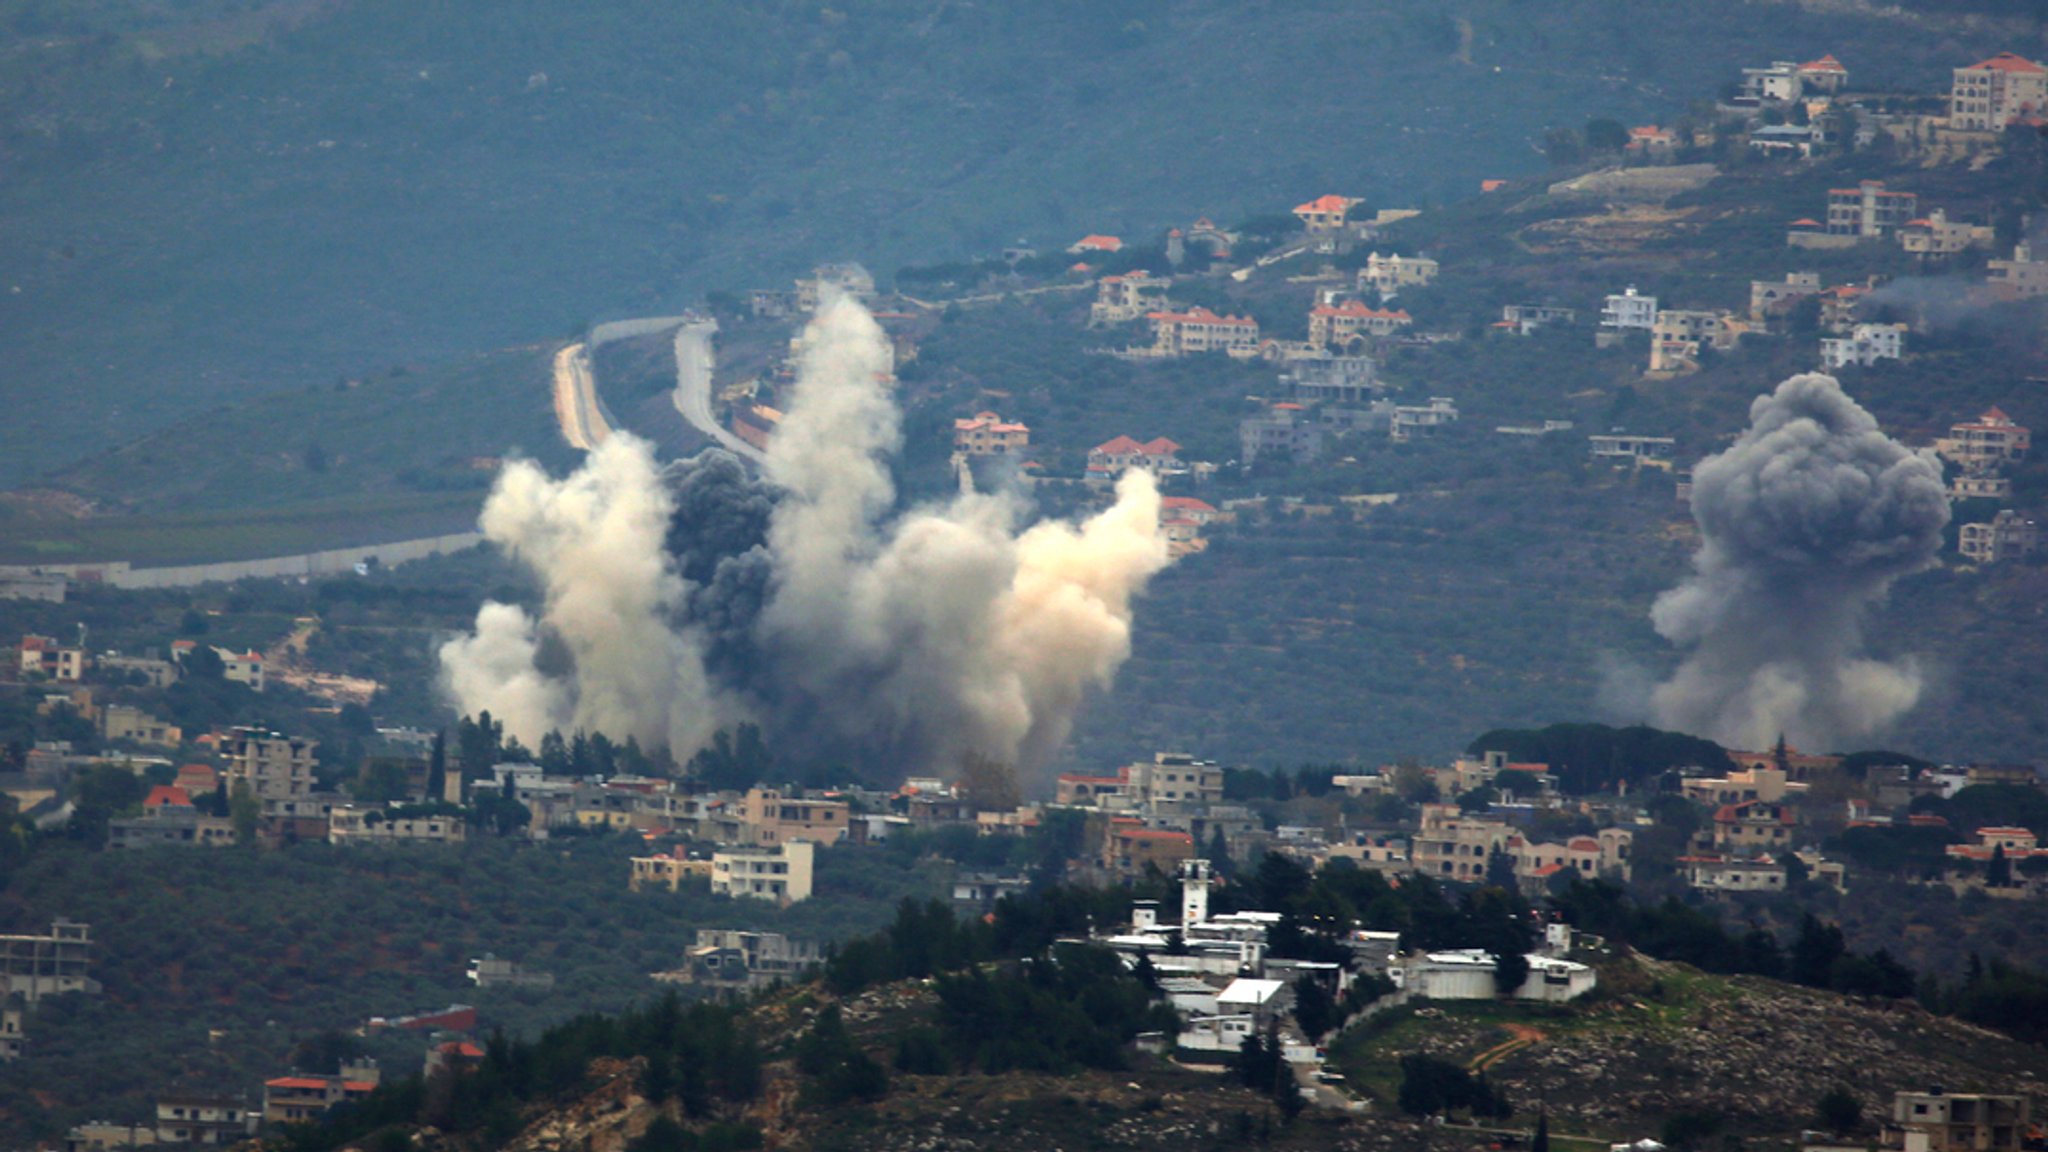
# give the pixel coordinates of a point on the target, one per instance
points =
(1805, 522)
(610, 594)
(698, 595)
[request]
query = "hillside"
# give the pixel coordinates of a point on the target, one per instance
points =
(1668, 1051)
(214, 201)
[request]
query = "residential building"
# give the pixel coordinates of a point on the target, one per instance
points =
(1334, 379)
(169, 819)
(666, 871)
(1199, 330)
(13, 1040)
(1114, 457)
(1326, 214)
(49, 587)
(298, 1099)
(987, 434)
(774, 816)
(1866, 344)
(1784, 81)
(120, 723)
(1936, 235)
(845, 279)
(1752, 828)
(1408, 421)
(1992, 95)
(1938, 1121)
(146, 670)
(1389, 274)
(1868, 210)
(2008, 536)
(1967, 487)
(270, 765)
(1767, 297)
(1677, 334)
(1733, 874)
(976, 893)
(1285, 430)
(43, 656)
(1077, 790)
(1348, 324)
(1989, 441)
(2021, 277)
(1825, 75)
(1639, 449)
(2014, 842)
(1095, 244)
(1650, 142)
(1460, 974)
(1122, 299)
(33, 967)
(1524, 319)
(488, 971)
(781, 873)
(1129, 848)
(211, 1121)
(740, 960)
(349, 824)
(1769, 785)
(1629, 310)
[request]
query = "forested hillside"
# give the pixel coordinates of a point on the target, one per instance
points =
(214, 201)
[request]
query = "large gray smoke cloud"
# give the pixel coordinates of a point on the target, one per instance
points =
(1805, 522)
(694, 598)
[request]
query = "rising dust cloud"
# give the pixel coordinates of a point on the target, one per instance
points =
(677, 602)
(1806, 521)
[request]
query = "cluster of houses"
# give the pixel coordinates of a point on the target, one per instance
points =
(1981, 451)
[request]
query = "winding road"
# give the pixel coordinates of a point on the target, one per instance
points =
(694, 361)
(577, 409)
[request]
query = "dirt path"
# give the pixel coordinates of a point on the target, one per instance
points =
(1520, 1036)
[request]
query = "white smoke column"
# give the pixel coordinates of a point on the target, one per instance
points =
(1806, 520)
(609, 588)
(946, 633)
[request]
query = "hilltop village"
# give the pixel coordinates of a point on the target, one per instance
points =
(1275, 921)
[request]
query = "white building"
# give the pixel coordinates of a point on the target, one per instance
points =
(1990, 95)
(1866, 344)
(1462, 974)
(781, 873)
(1629, 310)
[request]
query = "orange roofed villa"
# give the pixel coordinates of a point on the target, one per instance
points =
(1198, 330)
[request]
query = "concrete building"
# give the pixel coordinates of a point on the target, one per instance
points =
(349, 824)
(1333, 379)
(44, 656)
(1114, 457)
(1936, 235)
(1990, 441)
(2008, 536)
(1199, 330)
(1634, 448)
(171, 826)
(1122, 299)
(1524, 319)
(1768, 297)
(1992, 95)
(1326, 214)
(1869, 210)
(33, 967)
(271, 765)
(847, 279)
(299, 1099)
(987, 434)
(120, 723)
(204, 1120)
(666, 871)
(1284, 430)
(1389, 274)
(1129, 849)
(1751, 829)
(1348, 324)
(2019, 278)
(774, 816)
(149, 671)
(734, 960)
(488, 971)
(1629, 310)
(781, 873)
(1733, 874)
(1742, 786)
(1408, 421)
(1865, 345)
(1938, 1121)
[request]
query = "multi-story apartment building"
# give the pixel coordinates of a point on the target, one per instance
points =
(1390, 274)
(1199, 330)
(1348, 323)
(1991, 95)
(1121, 299)
(2008, 536)
(273, 766)
(348, 824)
(988, 434)
(212, 1121)
(1990, 441)
(1865, 345)
(1868, 210)
(1940, 1121)
(33, 967)
(1629, 309)
(781, 873)
(775, 817)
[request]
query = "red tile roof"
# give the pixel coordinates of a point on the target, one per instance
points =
(1358, 310)
(1160, 446)
(2008, 62)
(1099, 244)
(1201, 315)
(1826, 63)
(1330, 203)
(1188, 503)
(310, 1083)
(1121, 446)
(169, 794)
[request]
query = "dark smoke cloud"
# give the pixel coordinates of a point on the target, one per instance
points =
(1805, 522)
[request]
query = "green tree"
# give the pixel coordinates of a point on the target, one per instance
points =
(1314, 1008)
(1839, 1111)
(1604, 135)
(1541, 1141)
(437, 769)
(1998, 870)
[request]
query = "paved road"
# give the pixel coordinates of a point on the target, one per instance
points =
(577, 410)
(694, 360)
